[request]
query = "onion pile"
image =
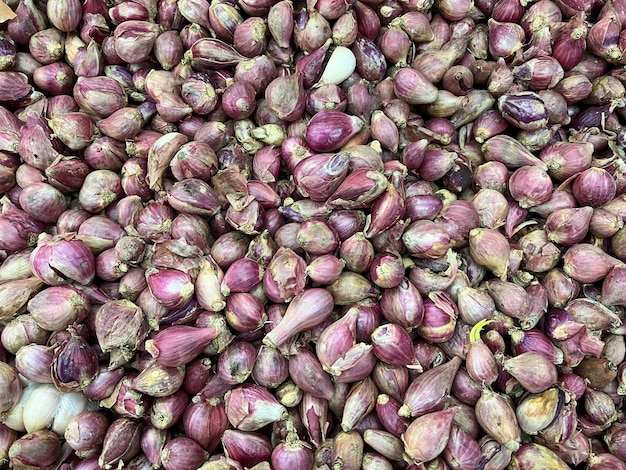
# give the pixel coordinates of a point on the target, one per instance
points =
(365, 234)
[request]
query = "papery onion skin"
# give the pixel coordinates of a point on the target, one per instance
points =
(39, 449)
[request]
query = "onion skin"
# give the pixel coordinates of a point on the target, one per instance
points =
(75, 365)
(271, 369)
(298, 308)
(413, 87)
(182, 452)
(306, 371)
(39, 449)
(18, 228)
(179, 344)
(418, 445)
(506, 432)
(171, 287)
(86, 430)
(166, 411)
(532, 454)
(60, 255)
(291, 455)
(249, 448)
(320, 175)
(321, 132)
(131, 330)
(348, 447)
(360, 401)
(420, 397)
(280, 283)
(249, 408)
(393, 345)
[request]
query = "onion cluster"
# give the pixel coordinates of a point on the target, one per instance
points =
(340, 234)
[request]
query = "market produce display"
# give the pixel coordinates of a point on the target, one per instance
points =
(321, 234)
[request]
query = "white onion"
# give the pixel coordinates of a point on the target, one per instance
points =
(340, 66)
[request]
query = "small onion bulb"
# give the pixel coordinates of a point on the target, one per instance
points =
(42, 406)
(70, 405)
(14, 418)
(340, 66)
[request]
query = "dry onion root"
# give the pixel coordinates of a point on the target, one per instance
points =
(259, 234)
